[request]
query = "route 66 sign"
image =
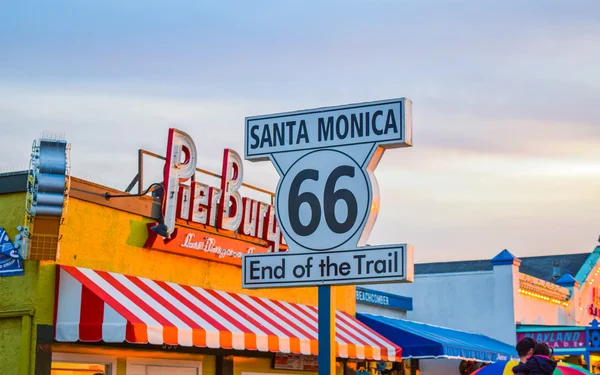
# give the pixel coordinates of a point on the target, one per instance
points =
(327, 199)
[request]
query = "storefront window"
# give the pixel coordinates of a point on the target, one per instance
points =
(70, 368)
(81, 364)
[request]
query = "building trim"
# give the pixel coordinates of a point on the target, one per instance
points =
(13, 182)
(544, 290)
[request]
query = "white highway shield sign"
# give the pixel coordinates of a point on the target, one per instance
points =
(327, 198)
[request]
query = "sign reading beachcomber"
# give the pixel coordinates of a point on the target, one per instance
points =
(327, 199)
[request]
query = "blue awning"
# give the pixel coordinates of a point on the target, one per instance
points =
(420, 340)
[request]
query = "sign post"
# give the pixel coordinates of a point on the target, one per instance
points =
(327, 201)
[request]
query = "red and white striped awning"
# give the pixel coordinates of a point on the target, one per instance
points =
(96, 306)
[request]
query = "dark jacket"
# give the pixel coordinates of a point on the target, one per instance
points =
(536, 365)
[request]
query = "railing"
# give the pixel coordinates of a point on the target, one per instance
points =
(139, 178)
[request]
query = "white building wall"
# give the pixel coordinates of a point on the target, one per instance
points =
(530, 310)
(480, 302)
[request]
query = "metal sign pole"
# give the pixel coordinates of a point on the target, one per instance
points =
(326, 330)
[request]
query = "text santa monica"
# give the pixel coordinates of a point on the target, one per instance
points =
(326, 127)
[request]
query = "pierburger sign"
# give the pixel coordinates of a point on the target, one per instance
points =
(211, 222)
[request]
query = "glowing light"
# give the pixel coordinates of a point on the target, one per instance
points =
(542, 297)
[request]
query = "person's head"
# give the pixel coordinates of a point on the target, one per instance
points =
(541, 349)
(525, 347)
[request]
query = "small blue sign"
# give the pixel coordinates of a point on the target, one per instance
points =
(11, 263)
(376, 297)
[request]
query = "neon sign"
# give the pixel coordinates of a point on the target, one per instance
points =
(221, 207)
(593, 308)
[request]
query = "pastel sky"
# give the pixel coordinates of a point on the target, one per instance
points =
(506, 101)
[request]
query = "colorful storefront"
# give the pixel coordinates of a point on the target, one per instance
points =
(431, 349)
(101, 290)
(551, 298)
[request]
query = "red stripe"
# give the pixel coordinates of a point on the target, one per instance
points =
(276, 316)
(137, 335)
(342, 333)
(195, 308)
(301, 327)
(135, 299)
(239, 311)
(216, 309)
(381, 341)
(261, 314)
(117, 306)
(368, 347)
(163, 302)
(91, 317)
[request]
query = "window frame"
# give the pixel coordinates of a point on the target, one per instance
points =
(109, 361)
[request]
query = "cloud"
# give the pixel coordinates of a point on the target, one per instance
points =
(505, 120)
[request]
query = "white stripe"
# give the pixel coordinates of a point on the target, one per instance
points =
(206, 326)
(212, 333)
(283, 338)
(340, 337)
(307, 325)
(211, 342)
(68, 315)
(342, 350)
(262, 338)
(113, 325)
(238, 341)
(184, 332)
(154, 328)
(360, 348)
(352, 326)
(368, 333)
(304, 341)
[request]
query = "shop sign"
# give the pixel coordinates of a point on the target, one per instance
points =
(219, 208)
(203, 245)
(11, 263)
(375, 297)
(295, 362)
(557, 339)
(593, 307)
(327, 199)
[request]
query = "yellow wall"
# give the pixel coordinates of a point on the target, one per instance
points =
(208, 361)
(105, 239)
(263, 365)
(10, 335)
(240, 364)
(35, 289)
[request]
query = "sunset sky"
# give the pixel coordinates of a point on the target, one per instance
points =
(506, 101)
